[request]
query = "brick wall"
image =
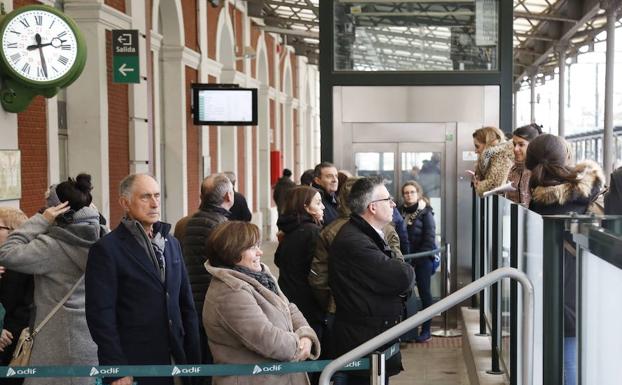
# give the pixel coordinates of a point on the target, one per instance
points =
(270, 48)
(192, 146)
(189, 9)
(118, 136)
(32, 142)
(119, 5)
(212, 28)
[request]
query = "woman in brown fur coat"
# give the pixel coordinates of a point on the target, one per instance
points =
(246, 316)
(559, 188)
(495, 157)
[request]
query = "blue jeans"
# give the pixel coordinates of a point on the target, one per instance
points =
(570, 360)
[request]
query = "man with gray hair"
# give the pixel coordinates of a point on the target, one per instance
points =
(239, 210)
(139, 305)
(216, 200)
(368, 282)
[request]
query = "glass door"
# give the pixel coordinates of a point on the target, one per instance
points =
(377, 159)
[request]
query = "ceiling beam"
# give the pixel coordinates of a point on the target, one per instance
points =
(535, 37)
(291, 32)
(306, 5)
(587, 16)
(539, 16)
(277, 21)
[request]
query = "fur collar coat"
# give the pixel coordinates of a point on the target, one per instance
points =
(570, 197)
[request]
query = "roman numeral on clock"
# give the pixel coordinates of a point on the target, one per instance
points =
(38, 19)
(12, 45)
(26, 68)
(15, 57)
(25, 23)
(63, 60)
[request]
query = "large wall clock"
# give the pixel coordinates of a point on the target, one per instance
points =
(41, 51)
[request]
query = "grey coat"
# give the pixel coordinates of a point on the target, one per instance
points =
(247, 323)
(56, 256)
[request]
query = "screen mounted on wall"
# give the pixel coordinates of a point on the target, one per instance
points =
(224, 105)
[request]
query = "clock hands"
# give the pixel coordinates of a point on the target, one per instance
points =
(43, 64)
(55, 42)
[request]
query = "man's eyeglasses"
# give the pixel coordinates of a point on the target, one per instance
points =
(389, 199)
(6, 228)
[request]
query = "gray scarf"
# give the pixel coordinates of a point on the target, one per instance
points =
(262, 277)
(154, 247)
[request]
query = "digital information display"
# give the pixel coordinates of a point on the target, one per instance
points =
(225, 105)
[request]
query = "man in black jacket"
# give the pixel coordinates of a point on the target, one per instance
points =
(239, 210)
(368, 282)
(326, 181)
(216, 200)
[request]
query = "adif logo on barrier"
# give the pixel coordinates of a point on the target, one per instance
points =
(12, 372)
(270, 369)
(354, 364)
(192, 370)
(94, 372)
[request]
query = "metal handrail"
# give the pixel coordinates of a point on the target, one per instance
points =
(421, 254)
(442, 305)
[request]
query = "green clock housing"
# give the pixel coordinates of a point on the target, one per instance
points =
(41, 51)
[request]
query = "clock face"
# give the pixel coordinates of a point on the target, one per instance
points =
(39, 46)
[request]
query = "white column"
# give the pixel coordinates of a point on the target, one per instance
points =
(139, 127)
(87, 113)
(264, 192)
(8, 124)
(561, 122)
(156, 46)
(175, 181)
(608, 142)
(288, 134)
(203, 78)
(51, 108)
(532, 95)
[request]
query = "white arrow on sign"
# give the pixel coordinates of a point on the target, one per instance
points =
(124, 70)
(125, 39)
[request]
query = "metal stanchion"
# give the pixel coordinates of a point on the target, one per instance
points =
(446, 291)
(377, 373)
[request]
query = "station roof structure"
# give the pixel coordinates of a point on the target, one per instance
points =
(541, 28)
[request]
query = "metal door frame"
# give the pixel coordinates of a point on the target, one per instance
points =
(418, 137)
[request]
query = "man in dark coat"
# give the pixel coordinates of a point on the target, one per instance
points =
(216, 200)
(282, 186)
(239, 211)
(326, 181)
(368, 283)
(139, 304)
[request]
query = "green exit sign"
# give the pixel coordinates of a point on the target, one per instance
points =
(125, 63)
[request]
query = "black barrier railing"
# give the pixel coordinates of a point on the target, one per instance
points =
(537, 245)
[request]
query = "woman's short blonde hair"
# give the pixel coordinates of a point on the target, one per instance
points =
(12, 217)
(489, 135)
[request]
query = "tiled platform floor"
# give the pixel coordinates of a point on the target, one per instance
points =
(437, 362)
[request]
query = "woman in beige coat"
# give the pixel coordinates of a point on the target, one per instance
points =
(246, 316)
